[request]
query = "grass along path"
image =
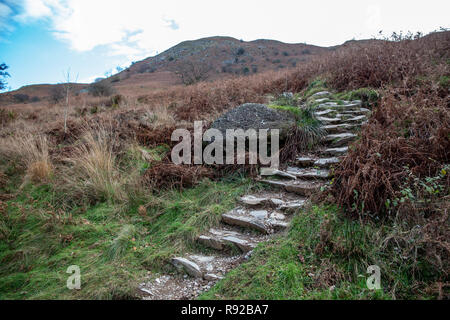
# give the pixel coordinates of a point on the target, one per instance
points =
(115, 246)
(325, 256)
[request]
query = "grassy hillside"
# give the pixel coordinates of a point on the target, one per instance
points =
(215, 58)
(104, 195)
(115, 245)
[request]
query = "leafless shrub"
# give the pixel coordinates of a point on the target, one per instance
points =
(192, 72)
(101, 89)
(169, 175)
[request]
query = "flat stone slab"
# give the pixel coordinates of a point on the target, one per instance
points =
(322, 100)
(300, 187)
(275, 172)
(329, 103)
(316, 162)
(304, 188)
(220, 239)
(205, 267)
(321, 94)
(212, 277)
(339, 128)
(309, 173)
(357, 119)
(239, 217)
(292, 205)
(305, 161)
(276, 202)
(277, 216)
(242, 244)
(341, 104)
(358, 111)
(324, 112)
(326, 162)
(340, 139)
(264, 221)
(326, 120)
(155, 286)
(191, 268)
(352, 118)
(270, 201)
(259, 214)
(275, 183)
(251, 200)
(335, 151)
(337, 106)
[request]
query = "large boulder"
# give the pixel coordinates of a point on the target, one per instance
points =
(255, 116)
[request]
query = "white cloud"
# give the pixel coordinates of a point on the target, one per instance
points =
(34, 9)
(136, 28)
(5, 13)
(37, 9)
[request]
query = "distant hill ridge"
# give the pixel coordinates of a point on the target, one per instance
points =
(219, 56)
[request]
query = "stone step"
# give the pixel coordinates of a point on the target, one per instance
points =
(348, 116)
(339, 139)
(221, 239)
(321, 94)
(206, 267)
(292, 206)
(324, 112)
(300, 187)
(340, 128)
(358, 111)
(316, 162)
(265, 221)
(277, 201)
(339, 106)
(309, 173)
(322, 100)
(359, 119)
(343, 114)
(190, 267)
(251, 200)
(343, 119)
(326, 120)
(335, 151)
(275, 172)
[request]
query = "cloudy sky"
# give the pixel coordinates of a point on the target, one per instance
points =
(40, 39)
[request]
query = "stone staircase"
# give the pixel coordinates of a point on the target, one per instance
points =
(259, 216)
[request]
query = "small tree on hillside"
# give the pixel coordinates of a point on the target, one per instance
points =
(68, 86)
(101, 89)
(57, 93)
(3, 75)
(193, 72)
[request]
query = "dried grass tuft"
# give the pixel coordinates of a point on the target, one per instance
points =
(32, 153)
(94, 171)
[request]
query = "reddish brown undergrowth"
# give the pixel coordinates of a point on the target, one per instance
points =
(166, 175)
(405, 134)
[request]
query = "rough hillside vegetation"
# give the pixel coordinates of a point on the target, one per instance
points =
(104, 194)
